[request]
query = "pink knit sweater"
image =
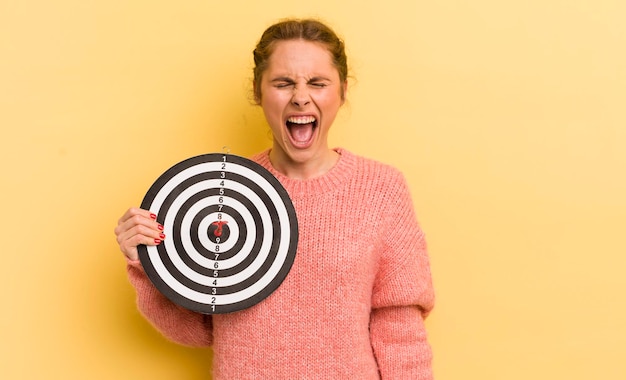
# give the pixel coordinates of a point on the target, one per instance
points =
(354, 302)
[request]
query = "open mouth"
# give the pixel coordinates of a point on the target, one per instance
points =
(301, 129)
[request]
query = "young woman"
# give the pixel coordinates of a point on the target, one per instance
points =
(354, 302)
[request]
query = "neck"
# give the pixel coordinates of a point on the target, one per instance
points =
(308, 169)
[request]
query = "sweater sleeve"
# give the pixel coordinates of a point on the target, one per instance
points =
(403, 294)
(178, 324)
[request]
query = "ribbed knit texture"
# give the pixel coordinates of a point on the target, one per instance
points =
(353, 304)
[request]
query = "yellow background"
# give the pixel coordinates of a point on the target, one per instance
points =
(507, 117)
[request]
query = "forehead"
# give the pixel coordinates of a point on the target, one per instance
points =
(300, 57)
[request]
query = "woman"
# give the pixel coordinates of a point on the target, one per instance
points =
(354, 302)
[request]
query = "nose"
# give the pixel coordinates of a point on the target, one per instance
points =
(300, 96)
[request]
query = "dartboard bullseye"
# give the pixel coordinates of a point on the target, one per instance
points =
(231, 233)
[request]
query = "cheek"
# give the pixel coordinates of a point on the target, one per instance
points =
(273, 112)
(273, 104)
(270, 108)
(329, 103)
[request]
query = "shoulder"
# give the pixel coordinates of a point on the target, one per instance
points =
(261, 158)
(374, 171)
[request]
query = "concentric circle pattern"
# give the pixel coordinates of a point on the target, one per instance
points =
(231, 233)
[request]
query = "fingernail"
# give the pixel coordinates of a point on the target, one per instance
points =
(157, 241)
(160, 227)
(153, 216)
(162, 236)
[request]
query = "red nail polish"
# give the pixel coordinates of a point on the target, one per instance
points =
(160, 227)
(152, 216)
(157, 241)
(162, 236)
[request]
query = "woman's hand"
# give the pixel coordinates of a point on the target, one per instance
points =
(135, 227)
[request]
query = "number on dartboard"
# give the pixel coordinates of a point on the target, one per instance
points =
(220, 206)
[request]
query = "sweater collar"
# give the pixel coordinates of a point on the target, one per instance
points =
(338, 174)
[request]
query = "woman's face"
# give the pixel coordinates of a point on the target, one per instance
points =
(301, 93)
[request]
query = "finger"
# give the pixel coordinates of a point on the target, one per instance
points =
(135, 227)
(130, 239)
(136, 217)
(135, 212)
(140, 234)
(129, 247)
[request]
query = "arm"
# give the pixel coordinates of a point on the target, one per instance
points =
(400, 343)
(174, 322)
(183, 326)
(403, 296)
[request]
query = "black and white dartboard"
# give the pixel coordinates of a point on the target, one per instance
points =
(231, 233)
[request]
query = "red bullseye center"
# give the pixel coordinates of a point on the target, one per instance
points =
(219, 227)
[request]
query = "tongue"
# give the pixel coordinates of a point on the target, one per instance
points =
(301, 132)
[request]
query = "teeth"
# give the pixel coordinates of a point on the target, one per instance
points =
(301, 119)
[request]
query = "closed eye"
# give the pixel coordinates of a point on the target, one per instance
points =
(283, 82)
(318, 82)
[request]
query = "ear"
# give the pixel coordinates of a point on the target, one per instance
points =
(256, 93)
(344, 91)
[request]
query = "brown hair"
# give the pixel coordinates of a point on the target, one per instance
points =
(293, 29)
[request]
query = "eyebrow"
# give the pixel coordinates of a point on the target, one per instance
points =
(319, 79)
(290, 80)
(282, 79)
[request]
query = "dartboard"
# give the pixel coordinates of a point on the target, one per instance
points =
(231, 233)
